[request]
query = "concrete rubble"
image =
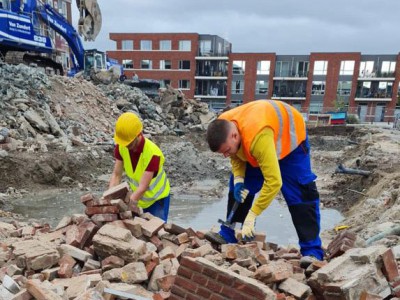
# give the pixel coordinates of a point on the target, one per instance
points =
(115, 250)
(31, 120)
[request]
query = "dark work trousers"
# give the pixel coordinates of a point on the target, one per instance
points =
(301, 195)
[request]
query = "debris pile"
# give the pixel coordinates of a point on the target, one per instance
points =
(38, 112)
(115, 250)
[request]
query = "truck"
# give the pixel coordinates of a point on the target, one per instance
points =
(24, 36)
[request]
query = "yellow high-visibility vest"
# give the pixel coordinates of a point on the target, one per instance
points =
(159, 186)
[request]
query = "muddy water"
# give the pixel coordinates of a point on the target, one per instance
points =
(186, 210)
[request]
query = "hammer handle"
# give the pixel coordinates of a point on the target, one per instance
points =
(232, 212)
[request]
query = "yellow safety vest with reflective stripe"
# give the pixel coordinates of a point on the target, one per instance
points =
(286, 122)
(159, 186)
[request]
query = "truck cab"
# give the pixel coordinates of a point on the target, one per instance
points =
(94, 60)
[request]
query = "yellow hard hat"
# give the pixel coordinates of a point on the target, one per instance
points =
(127, 128)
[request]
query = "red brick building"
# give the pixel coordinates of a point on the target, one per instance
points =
(204, 67)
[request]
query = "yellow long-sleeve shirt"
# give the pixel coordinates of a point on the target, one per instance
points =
(263, 150)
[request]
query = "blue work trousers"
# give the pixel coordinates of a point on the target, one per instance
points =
(159, 208)
(301, 195)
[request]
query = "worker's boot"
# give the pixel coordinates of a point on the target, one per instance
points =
(307, 260)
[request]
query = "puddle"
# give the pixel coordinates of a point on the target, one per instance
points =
(186, 211)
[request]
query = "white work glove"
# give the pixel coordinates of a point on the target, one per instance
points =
(248, 230)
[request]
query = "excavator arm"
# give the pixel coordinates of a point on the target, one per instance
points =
(90, 19)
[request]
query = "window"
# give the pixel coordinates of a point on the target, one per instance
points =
(302, 68)
(146, 64)
(165, 65)
(388, 68)
(165, 45)
(127, 63)
(164, 83)
(127, 45)
(205, 47)
(318, 88)
(316, 108)
(344, 88)
(239, 67)
(282, 69)
(366, 68)
(146, 45)
(261, 87)
(263, 67)
(385, 89)
(237, 86)
(185, 45)
(347, 67)
(320, 67)
(184, 84)
(184, 65)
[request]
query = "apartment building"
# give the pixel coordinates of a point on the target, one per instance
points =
(205, 68)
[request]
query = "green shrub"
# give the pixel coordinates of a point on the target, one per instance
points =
(352, 119)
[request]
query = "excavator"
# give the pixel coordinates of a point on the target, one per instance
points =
(25, 38)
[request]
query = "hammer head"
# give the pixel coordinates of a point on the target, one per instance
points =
(225, 223)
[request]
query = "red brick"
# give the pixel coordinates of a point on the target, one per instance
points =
(389, 267)
(225, 279)
(217, 297)
(247, 289)
(210, 272)
(192, 265)
(185, 272)
(104, 218)
(185, 284)
(190, 296)
(200, 279)
(203, 292)
(117, 192)
(87, 197)
(178, 291)
(90, 211)
(175, 297)
(214, 286)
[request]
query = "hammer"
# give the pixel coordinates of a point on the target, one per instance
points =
(228, 222)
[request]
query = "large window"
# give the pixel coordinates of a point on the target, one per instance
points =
(302, 68)
(388, 68)
(347, 67)
(316, 107)
(205, 47)
(320, 67)
(385, 89)
(237, 87)
(318, 88)
(263, 67)
(184, 84)
(165, 64)
(239, 67)
(344, 88)
(146, 64)
(127, 45)
(127, 63)
(366, 69)
(261, 87)
(146, 45)
(282, 69)
(165, 45)
(185, 45)
(184, 65)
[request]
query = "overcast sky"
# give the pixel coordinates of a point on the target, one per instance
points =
(280, 26)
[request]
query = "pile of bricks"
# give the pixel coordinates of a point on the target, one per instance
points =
(115, 251)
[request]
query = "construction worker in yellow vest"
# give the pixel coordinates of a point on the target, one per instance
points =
(269, 136)
(143, 163)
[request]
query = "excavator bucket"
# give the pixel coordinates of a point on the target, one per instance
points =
(90, 20)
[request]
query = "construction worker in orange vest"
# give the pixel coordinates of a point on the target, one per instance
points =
(270, 135)
(143, 163)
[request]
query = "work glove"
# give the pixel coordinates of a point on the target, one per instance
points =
(248, 227)
(240, 192)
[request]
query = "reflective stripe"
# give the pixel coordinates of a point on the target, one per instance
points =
(292, 126)
(151, 187)
(279, 139)
(158, 178)
(158, 193)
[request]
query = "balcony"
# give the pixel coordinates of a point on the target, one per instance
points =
(371, 76)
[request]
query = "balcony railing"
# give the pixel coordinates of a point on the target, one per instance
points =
(285, 94)
(212, 73)
(377, 95)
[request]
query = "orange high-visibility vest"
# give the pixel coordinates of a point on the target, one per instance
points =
(286, 122)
